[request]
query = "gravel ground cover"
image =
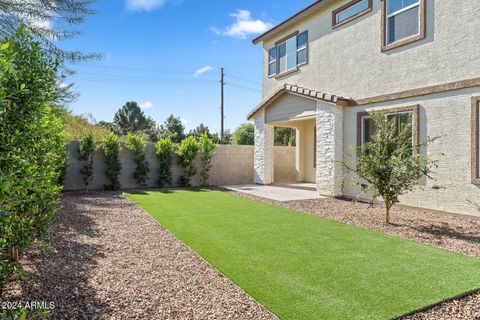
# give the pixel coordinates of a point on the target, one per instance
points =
(110, 260)
(303, 267)
(454, 233)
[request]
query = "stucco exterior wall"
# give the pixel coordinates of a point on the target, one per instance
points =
(231, 164)
(348, 61)
(305, 151)
(447, 115)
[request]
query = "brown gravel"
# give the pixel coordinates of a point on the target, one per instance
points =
(454, 233)
(112, 261)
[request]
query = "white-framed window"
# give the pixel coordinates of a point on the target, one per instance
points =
(288, 54)
(403, 20)
(402, 119)
(351, 11)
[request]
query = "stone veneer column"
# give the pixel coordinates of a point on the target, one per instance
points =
(329, 148)
(263, 151)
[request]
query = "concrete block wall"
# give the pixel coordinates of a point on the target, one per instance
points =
(231, 164)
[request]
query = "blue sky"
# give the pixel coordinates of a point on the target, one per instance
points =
(166, 55)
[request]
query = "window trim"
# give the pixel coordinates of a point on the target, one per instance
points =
(400, 43)
(475, 140)
(302, 48)
(348, 5)
(414, 109)
(270, 62)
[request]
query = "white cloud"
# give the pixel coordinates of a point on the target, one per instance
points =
(184, 121)
(148, 5)
(203, 70)
(243, 26)
(146, 105)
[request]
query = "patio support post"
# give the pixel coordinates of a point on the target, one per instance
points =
(329, 148)
(263, 151)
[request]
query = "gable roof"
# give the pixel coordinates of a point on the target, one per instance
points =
(293, 19)
(303, 92)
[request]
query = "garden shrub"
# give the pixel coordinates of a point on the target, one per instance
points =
(137, 145)
(111, 148)
(87, 150)
(165, 151)
(186, 152)
(32, 146)
(206, 148)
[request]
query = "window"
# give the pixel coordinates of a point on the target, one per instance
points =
(350, 11)
(404, 117)
(288, 54)
(403, 22)
(475, 140)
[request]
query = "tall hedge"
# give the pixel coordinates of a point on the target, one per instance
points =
(137, 145)
(87, 150)
(165, 152)
(186, 152)
(32, 146)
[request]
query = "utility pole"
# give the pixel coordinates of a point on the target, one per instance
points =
(222, 105)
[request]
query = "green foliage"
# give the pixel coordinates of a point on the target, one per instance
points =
(78, 126)
(111, 148)
(244, 135)
(87, 149)
(206, 148)
(227, 137)
(22, 313)
(32, 146)
(131, 119)
(285, 137)
(165, 152)
(137, 145)
(389, 165)
(172, 129)
(36, 17)
(186, 152)
(200, 130)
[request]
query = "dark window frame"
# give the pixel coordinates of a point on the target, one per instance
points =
(400, 43)
(350, 4)
(475, 140)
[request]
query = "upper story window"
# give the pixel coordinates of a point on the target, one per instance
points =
(350, 11)
(403, 22)
(288, 54)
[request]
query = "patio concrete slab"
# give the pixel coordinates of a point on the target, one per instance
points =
(279, 192)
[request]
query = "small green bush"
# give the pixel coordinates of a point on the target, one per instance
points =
(111, 148)
(187, 152)
(87, 149)
(137, 145)
(206, 148)
(165, 152)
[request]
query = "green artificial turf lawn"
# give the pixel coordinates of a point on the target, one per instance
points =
(306, 267)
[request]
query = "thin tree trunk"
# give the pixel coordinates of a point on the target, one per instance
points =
(388, 215)
(14, 255)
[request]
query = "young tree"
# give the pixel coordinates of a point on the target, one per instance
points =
(137, 145)
(389, 165)
(172, 129)
(87, 149)
(111, 148)
(187, 152)
(244, 135)
(50, 21)
(131, 119)
(206, 148)
(165, 152)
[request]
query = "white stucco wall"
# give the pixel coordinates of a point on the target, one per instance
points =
(348, 61)
(447, 115)
(305, 150)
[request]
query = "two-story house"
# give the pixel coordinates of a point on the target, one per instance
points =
(330, 64)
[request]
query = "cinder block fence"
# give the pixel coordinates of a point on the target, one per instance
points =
(231, 164)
